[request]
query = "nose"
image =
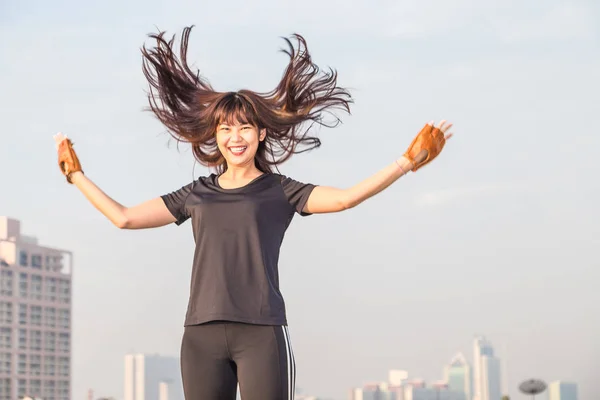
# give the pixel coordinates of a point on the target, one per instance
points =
(235, 135)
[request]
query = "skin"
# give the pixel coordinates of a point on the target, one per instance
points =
(240, 171)
(240, 168)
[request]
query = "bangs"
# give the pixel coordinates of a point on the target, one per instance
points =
(234, 109)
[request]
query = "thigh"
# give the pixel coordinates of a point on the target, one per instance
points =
(265, 361)
(206, 369)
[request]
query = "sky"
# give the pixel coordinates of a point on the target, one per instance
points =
(498, 236)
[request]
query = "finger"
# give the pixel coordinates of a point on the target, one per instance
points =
(448, 136)
(446, 127)
(441, 124)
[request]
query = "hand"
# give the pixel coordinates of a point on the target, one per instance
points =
(428, 144)
(67, 158)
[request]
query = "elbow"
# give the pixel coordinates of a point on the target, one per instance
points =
(122, 222)
(347, 204)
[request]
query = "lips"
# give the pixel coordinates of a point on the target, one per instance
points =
(237, 150)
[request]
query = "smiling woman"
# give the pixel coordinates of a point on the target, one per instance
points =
(236, 328)
(191, 109)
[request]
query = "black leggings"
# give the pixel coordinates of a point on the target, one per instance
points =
(215, 357)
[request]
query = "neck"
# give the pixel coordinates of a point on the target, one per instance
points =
(241, 172)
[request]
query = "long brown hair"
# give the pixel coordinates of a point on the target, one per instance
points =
(191, 109)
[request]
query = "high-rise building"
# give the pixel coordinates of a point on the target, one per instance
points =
(397, 376)
(562, 391)
(35, 317)
(152, 377)
(458, 375)
(486, 371)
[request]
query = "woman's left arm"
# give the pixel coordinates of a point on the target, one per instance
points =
(430, 140)
(325, 199)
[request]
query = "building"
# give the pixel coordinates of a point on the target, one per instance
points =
(377, 391)
(486, 371)
(458, 375)
(435, 391)
(152, 377)
(562, 391)
(397, 377)
(35, 317)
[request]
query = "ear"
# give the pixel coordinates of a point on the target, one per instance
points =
(262, 135)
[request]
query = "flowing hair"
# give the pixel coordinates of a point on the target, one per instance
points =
(191, 109)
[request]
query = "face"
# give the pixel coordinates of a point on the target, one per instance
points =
(238, 143)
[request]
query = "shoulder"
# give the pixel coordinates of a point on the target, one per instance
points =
(287, 181)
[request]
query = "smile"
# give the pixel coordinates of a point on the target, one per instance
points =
(237, 150)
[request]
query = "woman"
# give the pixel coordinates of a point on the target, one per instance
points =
(235, 326)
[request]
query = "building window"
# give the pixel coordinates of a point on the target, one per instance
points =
(36, 287)
(22, 364)
(64, 342)
(50, 289)
(23, 283)
(50, 341)
(63, 366)
(35, 340)
(22, 339)
(21, 388)
(6, 314)
(50, 366)
(36, 315)
(5, 363)
(36, 261)
(49, 388)
(35, 364)
(6, 282)
(23, 314)
(63, 390)
(5, 338)
(64, 291)
(5, 389)
(23, 258)
(50, 317)
(35, 388)
(63, 319)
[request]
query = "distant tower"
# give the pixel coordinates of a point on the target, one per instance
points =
(458, 375)
(486, 371)
(562, 391)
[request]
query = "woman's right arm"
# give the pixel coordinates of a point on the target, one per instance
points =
(150, 214)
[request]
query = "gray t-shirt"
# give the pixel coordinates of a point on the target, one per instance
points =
(238, 235)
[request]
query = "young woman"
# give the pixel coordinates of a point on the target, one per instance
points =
(235, 326)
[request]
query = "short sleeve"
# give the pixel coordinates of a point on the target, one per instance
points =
(297, 193)
(175, 202)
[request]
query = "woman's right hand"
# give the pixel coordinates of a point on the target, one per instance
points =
(68, 162)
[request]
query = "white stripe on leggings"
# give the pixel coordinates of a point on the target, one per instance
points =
(291, 364)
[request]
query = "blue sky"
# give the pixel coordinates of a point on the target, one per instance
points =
(498, 236)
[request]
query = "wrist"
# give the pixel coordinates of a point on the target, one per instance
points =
(75, 176)
(404, 164)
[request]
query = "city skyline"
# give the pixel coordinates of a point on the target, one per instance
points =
(156, 377)
(498, 236)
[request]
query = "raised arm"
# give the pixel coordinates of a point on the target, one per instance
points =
(150, 214)
(424, 148)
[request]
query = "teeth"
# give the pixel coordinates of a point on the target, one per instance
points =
(238, 149)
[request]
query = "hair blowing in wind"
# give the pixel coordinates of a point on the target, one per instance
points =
(191, 109)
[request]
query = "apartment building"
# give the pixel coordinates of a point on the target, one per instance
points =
(35, 317)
